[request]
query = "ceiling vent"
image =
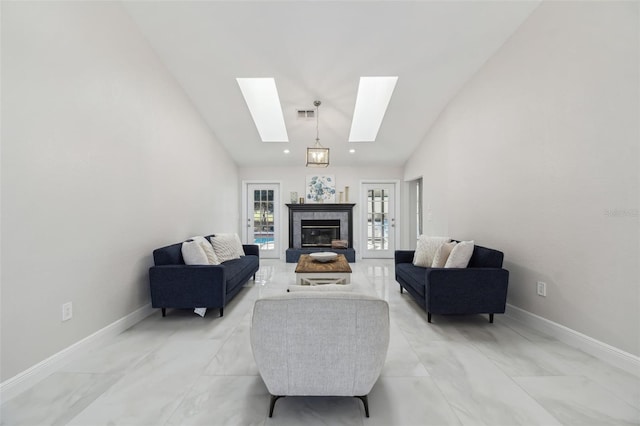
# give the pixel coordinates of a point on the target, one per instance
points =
(306, 113)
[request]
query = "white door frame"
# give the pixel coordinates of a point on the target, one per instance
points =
(277, 228)
(362, 240)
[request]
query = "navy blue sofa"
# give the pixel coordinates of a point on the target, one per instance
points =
(176, 285)
(480, 288)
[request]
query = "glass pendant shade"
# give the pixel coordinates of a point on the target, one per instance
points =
(317, 156)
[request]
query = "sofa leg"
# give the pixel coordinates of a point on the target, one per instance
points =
(164, 312)
(365, 401)
(401, 290)
(221, 311)
(254, 277)
(272, 404)
(491, 318)
(428, 316)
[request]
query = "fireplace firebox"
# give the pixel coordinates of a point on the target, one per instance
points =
(319, 233)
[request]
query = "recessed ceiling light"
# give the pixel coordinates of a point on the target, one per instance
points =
(286, 151)
(352, 151)
(374, 94)
(261, 96)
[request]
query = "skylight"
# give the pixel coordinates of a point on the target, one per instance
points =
(374, 94)
(263, 101)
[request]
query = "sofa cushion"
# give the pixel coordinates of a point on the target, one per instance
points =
(413, 276)
(169, 255)
(426, 250)
(460, 255)
(236, 270)
(440, 259)
(486, 258)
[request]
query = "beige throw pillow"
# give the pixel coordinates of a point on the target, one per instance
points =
(193, 253)
(460, 255)
(227, 246)
(440, 259)
(426, 250)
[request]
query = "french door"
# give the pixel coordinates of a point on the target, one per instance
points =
(378, 220)
(262, 218)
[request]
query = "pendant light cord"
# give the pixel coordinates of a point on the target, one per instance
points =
(317, 105)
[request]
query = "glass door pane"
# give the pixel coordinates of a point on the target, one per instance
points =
(262, 218)
(379, 220)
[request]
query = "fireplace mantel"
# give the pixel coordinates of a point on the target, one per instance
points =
(296, 211)
(321, 207)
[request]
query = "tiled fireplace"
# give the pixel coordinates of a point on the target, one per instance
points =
(313, 226)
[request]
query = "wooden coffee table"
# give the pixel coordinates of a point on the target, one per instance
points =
(312, 272)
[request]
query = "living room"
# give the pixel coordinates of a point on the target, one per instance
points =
(107, 155)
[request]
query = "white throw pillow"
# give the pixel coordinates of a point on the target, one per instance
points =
(193, 253)
(208, 250)
(227, 246)
(426, 250)
(460, 255)
(442, 255)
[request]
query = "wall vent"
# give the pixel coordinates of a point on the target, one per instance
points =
(306, 113)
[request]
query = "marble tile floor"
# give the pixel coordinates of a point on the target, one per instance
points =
(458, 370)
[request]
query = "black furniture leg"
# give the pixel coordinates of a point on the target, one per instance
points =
(428, 316)
(491, 318)
(274, 398)
(365, 401)
(164, 312)
(254, 277)
(401, 290)
(221, 311)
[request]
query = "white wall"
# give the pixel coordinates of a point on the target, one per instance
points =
(293, 179)
(103, 159)
(538, 157)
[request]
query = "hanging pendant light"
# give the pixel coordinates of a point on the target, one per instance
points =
(317, 156)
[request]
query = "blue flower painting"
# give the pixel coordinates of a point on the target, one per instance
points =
(321, 189)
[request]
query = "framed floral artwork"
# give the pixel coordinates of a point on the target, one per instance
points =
(321, 189)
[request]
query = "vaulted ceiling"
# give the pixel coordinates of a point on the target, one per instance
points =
(319, 50)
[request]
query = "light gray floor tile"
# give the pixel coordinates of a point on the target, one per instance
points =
(56, 400)
(401, 359)
(477, 389)
(576, 400)
(235, 358)
(151, 392)
(409, 401)
(223, 401)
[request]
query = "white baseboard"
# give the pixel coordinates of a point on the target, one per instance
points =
(22, 381)
(610, 354)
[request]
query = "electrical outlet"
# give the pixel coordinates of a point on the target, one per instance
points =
(542, 289)
(67, 311)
